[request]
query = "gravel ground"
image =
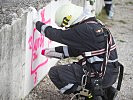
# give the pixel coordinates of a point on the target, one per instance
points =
(10, 11)
(121, 27)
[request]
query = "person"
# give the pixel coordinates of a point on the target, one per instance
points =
(109, 8)
(86, 36)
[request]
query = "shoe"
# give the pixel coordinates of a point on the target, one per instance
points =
(111, 12)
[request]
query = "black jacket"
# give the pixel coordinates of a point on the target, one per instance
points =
(81, 38)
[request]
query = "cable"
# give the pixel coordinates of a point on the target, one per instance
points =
(74, 96)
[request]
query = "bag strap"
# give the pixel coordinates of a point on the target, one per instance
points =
(120, 76)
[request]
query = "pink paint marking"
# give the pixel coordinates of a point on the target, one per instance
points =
(42, 15)
(41, 41)
(40, 65)
(35, 78)
(34, 55)
(38, 43)
(43, 18)
(30, 43)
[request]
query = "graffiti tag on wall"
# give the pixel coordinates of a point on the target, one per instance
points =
(36, 45)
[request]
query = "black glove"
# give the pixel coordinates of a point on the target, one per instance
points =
(39, 25)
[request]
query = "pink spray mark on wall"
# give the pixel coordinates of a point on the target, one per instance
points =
(35, 44)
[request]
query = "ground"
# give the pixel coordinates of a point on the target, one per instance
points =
(121, 27)
(10, 11)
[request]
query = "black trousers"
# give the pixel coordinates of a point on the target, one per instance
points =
(108, 5)
(72, 74)
(62, 75)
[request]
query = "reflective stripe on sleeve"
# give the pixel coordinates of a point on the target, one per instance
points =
(62, 90)
(65, 49)
(43, 29)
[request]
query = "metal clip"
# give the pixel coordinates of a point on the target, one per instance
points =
(86, 93)
(84, 80)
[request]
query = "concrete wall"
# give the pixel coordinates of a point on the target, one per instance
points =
(12, 59)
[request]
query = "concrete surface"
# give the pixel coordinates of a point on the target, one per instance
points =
(12, 60)
(12, 48)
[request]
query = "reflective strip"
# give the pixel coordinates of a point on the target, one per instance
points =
(113, 47)
(87, 53)
(99, 52)
(92, 22)
(62, 90)
(103, 50)
(112, 60)
(108, 2)
(95, 59)
(65, 49)
(43, 29)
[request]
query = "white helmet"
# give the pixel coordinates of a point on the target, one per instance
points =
(67, 14)
(70, 14)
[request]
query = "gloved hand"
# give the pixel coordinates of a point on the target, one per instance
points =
(39, 26)
(50, 52)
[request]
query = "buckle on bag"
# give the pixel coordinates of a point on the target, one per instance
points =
(97, 89)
